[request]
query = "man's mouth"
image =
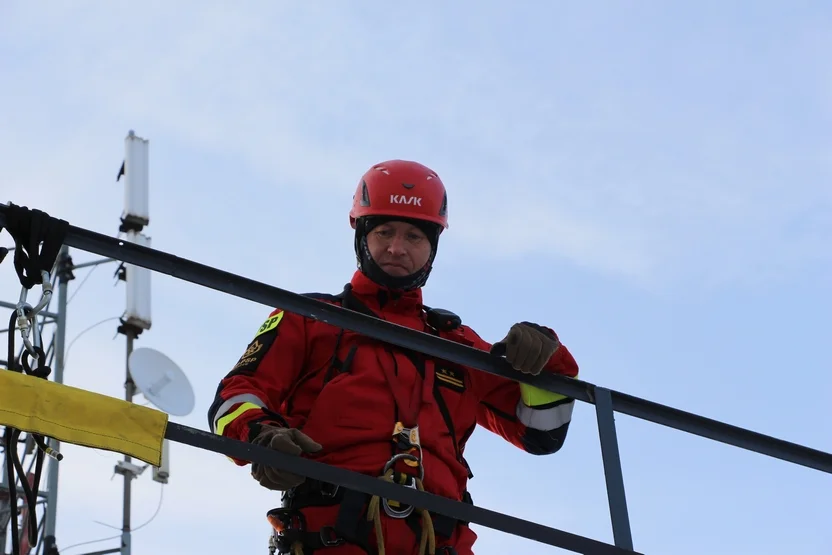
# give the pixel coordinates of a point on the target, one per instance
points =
(394, 265)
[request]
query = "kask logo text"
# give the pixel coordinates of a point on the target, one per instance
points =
(402, 199)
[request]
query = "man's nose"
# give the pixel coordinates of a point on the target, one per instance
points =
(396, 245)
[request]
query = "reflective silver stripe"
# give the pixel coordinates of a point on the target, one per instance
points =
(545, 419)
(226, 406)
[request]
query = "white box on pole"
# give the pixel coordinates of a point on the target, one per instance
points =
(136, 180)
(137, 283)
(161, 473)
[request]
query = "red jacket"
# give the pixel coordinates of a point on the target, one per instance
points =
(331, 383)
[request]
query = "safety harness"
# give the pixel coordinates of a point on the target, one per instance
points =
(359, 514)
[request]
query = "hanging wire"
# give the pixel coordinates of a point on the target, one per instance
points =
(63, 550)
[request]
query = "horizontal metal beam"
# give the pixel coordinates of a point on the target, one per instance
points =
(13, 306)
(232, 284)
(19, 490)
(373, 486)
(92, 263)
(104, 552)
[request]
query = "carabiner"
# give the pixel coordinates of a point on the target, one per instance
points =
(406, 456)
(399, 513)
(24, 324)
(27, 316)
(46, 294)
(403, 513)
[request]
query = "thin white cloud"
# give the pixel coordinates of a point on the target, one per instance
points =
(256, 88)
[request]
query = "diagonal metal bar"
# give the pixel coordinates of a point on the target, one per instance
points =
(271, 296)
(373, 486)
(720, 431)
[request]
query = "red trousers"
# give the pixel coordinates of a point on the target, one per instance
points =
(399, 538)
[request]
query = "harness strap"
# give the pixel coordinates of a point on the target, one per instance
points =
(350, 522)
(291, 535)
(360, 514)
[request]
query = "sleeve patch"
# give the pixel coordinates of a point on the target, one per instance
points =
(259, 346)
(271, 323)
(452, 378)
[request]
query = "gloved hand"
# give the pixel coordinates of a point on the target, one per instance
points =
(286, 440)
(527, 347)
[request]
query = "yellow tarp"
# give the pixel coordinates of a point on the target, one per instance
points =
(81, 417)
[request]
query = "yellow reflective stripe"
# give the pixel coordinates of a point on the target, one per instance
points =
(228, 418)
(534, 396)
(235, 400)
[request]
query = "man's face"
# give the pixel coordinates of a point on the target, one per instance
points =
(399, 248)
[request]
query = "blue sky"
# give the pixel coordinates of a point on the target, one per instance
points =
(651, 180)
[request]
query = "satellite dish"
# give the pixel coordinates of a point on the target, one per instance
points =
(161, 381)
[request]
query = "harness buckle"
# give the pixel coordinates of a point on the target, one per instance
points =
(330, 538)
(329, 490)
(407, 441)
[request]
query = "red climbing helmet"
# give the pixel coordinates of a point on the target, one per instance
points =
(401, 188)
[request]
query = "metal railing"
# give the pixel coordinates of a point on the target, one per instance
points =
(607, 402)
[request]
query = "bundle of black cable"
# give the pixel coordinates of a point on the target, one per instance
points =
(37, 239)
(14, 466)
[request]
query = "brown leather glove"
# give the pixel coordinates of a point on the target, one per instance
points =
(286, 440)
(527, 347)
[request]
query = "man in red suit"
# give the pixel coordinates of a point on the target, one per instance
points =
(311, 389)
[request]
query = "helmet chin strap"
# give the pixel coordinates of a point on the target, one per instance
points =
(372, 270)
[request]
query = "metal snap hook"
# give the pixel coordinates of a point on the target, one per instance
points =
(27, 316)
(404, 513)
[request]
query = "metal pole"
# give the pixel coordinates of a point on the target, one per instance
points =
(64, 274)
(612, 469)
(129, 390)
(5, 501)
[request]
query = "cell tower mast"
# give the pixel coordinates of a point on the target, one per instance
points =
(136, 318)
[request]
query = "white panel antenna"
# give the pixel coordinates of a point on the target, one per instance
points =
(137, 285)
(161, 381)
(136, 181)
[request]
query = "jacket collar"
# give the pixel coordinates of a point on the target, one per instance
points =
(381, 299)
